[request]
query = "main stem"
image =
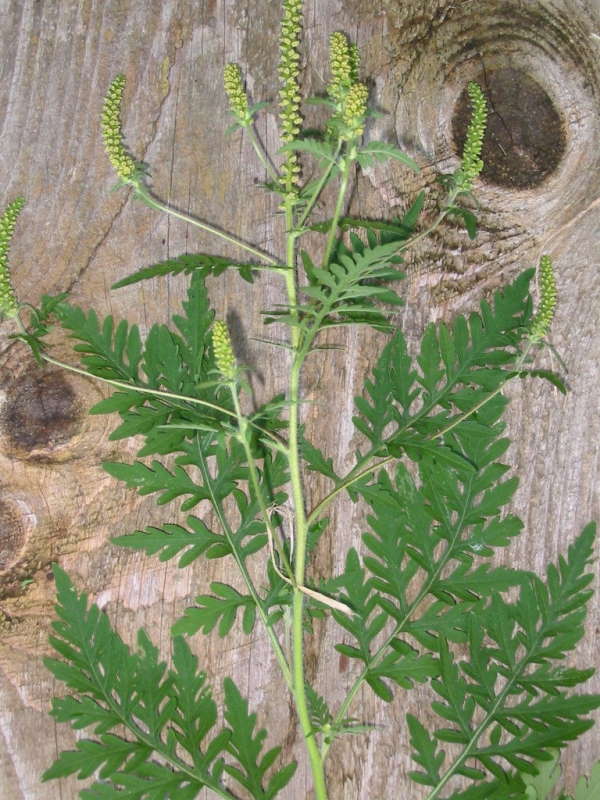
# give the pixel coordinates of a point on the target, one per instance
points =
(301, 530)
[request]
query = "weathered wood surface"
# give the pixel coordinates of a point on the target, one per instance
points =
(55, 501)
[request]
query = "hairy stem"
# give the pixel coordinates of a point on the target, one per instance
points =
(262, 153)
(319, 188)
(339, 206)
(142, 193)
(301, 530)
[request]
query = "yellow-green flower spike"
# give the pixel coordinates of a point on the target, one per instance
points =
(8, 301)
(224, 356)
(355, 109)
(112, 132)
(542, 321)
(289, 95)
(471, 164)
(238, 100)
(343, 64)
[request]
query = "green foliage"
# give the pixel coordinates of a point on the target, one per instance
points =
(513, 647)
(423, 602)
(169, 713)
(203, 263)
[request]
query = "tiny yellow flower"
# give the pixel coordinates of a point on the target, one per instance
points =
(8, 301)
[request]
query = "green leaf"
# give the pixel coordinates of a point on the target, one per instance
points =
(246, 747)
(165, 713)
(541, 785)
(322, 150)
(157, 478)
(106, 351)
(382, 151)
(510, 645)
(201, 263)
(170, 540)
(220, 609)
(425, 754)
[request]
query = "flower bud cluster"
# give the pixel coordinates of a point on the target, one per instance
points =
(289, 95)
(122, 162)
(343, 64)
(542, 321)
(354, 110)
(344, 88)
(8, 301)
(224, 356)
(471, 163)
(238, 100)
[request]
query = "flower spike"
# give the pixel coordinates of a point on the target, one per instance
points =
(355, 109)
(224, 356)
(238, 100)
(472, 164)
(542, 321)
(112, 133)
(343, 65)
(8, 301)
(289, 95)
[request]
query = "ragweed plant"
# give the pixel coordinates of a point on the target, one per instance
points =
(424, 603)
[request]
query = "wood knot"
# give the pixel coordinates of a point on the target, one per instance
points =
(525, 137)
(40, 414)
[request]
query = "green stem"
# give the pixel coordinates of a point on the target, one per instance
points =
(142, 193)
(339, 205)
(319, 188)
(300, 532)
(261, 153)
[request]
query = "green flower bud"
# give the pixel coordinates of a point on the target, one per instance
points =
(542, 321)
(8, 300)
(471, 164)
(122, 162)
(234, 88)
(223, 351)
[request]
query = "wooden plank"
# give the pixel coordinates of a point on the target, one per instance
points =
(55, 501)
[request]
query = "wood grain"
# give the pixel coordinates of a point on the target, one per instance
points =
(55, 501)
